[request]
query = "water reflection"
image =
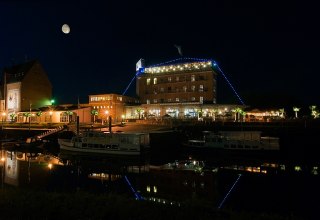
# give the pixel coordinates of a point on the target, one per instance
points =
(265, 185)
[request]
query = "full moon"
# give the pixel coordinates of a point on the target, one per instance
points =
(65, 29)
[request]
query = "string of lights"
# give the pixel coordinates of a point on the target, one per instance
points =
(197, 65)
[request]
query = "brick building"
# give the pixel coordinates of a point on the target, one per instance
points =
(179, 82)
(24, 87)
(114, 105)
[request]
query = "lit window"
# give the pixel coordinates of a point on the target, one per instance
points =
(148, 101)
(201, 99)
(184, 88)
(201, 88)
(193, 78)
(193, 98)
(162, 89)
(193, 88)
(177, 99)
(155, 81)
(148, 81)
(169, 79)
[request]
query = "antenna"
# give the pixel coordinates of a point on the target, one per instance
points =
(179, 49)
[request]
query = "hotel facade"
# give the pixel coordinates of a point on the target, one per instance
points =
(183, 88)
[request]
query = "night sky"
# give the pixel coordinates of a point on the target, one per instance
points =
(269, 51)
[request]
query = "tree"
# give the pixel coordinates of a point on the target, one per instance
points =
(94, 113)
(296, 109)
(13, 116)
(236, 111)
(139, 110)
(243, 114)
(314, 111)
(200, 114)
(39, 113)
(281, 110)
(27, 115)
(214, 111)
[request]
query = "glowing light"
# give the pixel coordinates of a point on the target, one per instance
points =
(65, 29)
(188, 67)
(297, 168)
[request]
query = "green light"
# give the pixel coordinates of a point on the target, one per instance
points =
(52, 101)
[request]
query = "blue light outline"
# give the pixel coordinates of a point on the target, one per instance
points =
(225, 77)
(213, 64)
(136, 194)
(227, 195)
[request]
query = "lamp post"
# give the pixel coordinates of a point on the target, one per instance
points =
(3, 168)
(3, 118)
(30, 115)
(106, 114)
(122, 119)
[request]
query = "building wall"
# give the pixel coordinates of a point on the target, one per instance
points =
(177, 87)
(56, 116)
(84, 114)
(110, 105)
(36, 88)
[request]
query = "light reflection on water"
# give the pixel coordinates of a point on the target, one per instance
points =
(265, 185)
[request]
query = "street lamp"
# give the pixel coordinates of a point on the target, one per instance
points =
(122, 119)
(3, 118)
(106, 113)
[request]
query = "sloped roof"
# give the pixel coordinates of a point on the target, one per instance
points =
(17, 72)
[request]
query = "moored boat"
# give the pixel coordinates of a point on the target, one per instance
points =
(236, 140)
(107, 143)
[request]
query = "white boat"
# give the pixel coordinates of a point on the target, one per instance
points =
(236, 140)
(107, 143)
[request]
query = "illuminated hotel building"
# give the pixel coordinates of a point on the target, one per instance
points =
(177, 88)
(186, 82)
